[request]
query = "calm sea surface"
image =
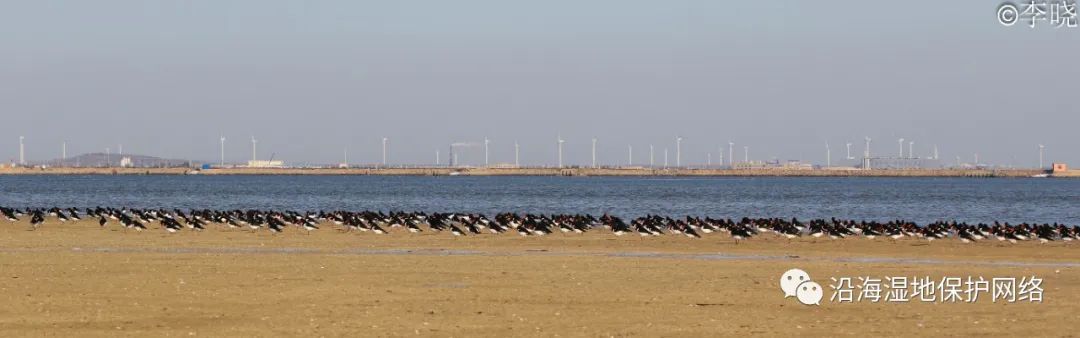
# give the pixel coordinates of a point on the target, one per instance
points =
(918, 199)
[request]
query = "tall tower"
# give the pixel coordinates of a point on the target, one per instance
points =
(451, 160)
(866, 154)
(384, 140)
(560, 144)
(594, 152)
(222, 163)
(731, 152)
(678, 151)
(486, 142)
(720, 151)
(1041, 149)
(828, 155)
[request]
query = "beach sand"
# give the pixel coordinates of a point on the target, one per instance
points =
(81, 280)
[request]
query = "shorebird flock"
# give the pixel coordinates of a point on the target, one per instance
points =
(527, 225)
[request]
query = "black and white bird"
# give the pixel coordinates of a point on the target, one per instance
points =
(37, 219)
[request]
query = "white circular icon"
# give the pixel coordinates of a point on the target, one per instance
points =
(1007, 14)
(809, 293)
(791, 279)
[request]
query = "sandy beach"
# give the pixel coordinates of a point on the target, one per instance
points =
(79, 279)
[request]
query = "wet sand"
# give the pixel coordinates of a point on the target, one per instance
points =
(79, 279)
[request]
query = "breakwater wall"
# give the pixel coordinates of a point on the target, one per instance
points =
(570, 172)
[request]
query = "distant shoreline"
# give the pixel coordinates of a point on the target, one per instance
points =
(444, 171)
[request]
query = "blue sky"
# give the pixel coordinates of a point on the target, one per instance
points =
(167, 78)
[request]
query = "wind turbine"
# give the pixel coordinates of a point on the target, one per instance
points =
(731, 152)
(678, 151)
(935, 152)
(108, 163)
(63, 153)
(517, 162)
(451, 159)
(22, 152)
(708, 160)
(866, 154)
(629, 154)
(901, 147)
(253, 143)
(665, 158)
(437, 159)
(222, 151)
(746, 154)
(1041, 149)
(486, 142)
(346, 157)
(384, 140)
(911, 149)
(720, 151)
(560, 144)
(849, 151)
(594, 152)
(828, 155)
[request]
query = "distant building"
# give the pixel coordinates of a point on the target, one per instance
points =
(797, 165)
(265, 164)
(126, 162)
(774, 164)
(901, 163)
(750, 165)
